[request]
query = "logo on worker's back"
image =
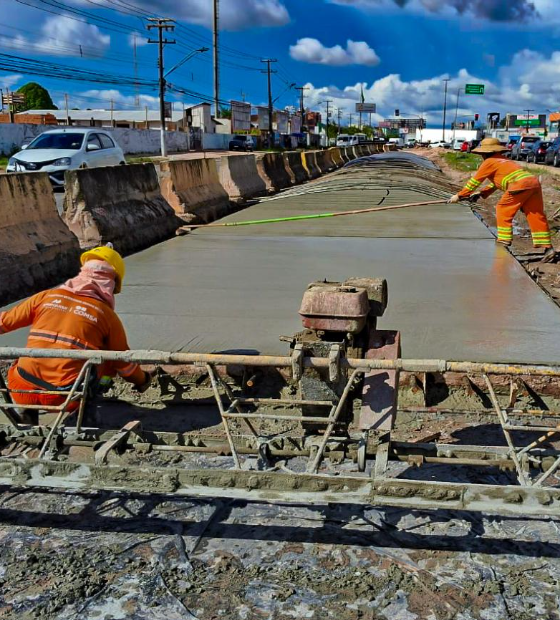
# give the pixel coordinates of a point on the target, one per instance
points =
(56, 304)
(82, 311)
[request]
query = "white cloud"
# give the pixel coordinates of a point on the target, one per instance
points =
(313, 51)
(507, 11)
(141, 39)
(61, 36)
(101, 99)
(532, 80)
(8, 81)
(234, 14)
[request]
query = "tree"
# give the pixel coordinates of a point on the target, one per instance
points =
(36, 98)
(225, 112)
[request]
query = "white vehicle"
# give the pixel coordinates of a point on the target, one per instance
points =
(346, 140)
(397, 141)
(59, 150)
(458, 144)
(361, 137)
(439, 144)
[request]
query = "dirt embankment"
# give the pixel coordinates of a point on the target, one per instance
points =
(546, 275)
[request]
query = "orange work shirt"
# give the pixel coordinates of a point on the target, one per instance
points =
(60, 319)
(501, 173)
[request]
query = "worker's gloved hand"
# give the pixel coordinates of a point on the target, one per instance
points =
(147, 382)
(454, 200)
(475, 197)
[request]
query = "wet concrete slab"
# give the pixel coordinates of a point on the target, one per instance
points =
(453, 299)
(452, 292)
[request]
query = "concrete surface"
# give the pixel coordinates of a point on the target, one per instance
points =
(452, 292)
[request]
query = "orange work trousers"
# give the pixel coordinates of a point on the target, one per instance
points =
(530, 201)
(15, 382)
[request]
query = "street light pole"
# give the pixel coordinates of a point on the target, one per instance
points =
(456, 113)
(527, 125)
(446, 81)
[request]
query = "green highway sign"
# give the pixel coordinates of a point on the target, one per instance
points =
(474, 89)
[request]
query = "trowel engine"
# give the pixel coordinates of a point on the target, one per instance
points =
(339, 320)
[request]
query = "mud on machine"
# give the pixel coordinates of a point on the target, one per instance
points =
(324, 435)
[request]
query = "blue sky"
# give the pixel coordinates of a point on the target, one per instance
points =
(398, 51)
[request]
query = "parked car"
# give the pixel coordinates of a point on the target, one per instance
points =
(58, 150)
(398, 142)
(523, 147)
(552, 156)
(469, 145)
(538, 151)
(411, 143)
(458, 144)
(439, 144)
(511, 143)
(346, 140)
(241, 143)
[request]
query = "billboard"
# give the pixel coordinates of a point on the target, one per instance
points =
(527, 120)
(282, 122)
(368, 108)
(263, 118)
(240, 116)
(295, 124)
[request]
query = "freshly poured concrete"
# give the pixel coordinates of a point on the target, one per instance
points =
(452, 292)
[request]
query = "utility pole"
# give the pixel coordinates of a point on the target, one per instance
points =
(216, 59)
(161, 25)
(112, 113)
(528, 114)
(456, 113)
(66, 106)
(136, 85)
(269, 71)
(446, 81)
(301, 89)
(339, 114)
(328, 102)
(350, 121)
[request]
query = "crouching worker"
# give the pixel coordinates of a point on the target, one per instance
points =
(78, 315)
(522, 192)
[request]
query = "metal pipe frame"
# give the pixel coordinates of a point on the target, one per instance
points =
(161, 357)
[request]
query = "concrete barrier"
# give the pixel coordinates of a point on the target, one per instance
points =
(336, 156)
(120, 204)
(348, 153)
(309, 159)
(37, 250)
(192, 187)
(273, 171)
(239, 176)
(323, 161)
(294, 163)
(388, 148)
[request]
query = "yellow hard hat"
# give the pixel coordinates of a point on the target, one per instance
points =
(106, 253)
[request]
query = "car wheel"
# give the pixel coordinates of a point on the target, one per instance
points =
(83, 166)
(556, 162)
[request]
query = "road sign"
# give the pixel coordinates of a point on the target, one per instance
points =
(474, 89)
(366, 107)
(240, 116)
(168, 109)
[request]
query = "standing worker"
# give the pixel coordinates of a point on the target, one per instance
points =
(77, 315)
(522, 191)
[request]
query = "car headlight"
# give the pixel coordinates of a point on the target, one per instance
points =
(63, 161)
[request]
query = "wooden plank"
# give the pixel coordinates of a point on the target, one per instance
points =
(116, 440)
(380, 391)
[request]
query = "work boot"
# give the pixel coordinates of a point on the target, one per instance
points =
(550, 256)
(27, 416)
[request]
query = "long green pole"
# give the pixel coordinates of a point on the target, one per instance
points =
(315, 216)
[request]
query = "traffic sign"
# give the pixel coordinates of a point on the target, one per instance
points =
(474, 89)
(370, 108)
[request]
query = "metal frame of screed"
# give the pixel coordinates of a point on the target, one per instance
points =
(297, 362)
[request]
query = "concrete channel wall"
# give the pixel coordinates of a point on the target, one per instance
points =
(192, 187)
(120, 204)
(239, 176)
(36, 249)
